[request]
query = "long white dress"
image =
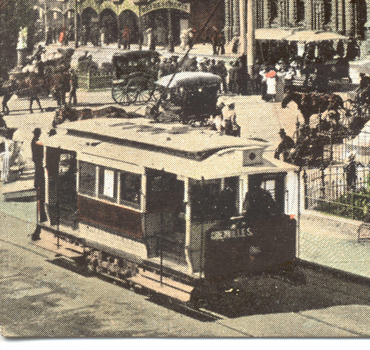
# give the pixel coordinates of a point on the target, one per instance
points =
(271, 86)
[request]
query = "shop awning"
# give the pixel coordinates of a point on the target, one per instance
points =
(300, 35)
(272, 34)
(311, 36)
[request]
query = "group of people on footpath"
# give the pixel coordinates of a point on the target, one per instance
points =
(275, 81)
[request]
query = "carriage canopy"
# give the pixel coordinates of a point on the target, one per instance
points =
(189, 79)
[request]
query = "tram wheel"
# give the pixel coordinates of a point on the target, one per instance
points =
(121, 95)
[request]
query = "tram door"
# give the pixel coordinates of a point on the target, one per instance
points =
(165, 218)
(61, 166)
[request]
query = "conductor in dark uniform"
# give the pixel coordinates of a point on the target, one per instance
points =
(37, 158)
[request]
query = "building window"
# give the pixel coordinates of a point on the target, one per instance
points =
(130, 189)
(108, 184)
(87, 178)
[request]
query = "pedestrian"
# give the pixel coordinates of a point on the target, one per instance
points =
(221, 41)
(221, 71)
(270, 79)
(49, 36)
(280, 85)
(8, 150)
(38, 158)
(229, 117)
(126, 37)
(203, 65)
(151, 39)
(212, 67)
(232, 77)
(214, 39)
(350, 170)
(83, 35)
(285, 145)
(73, 87)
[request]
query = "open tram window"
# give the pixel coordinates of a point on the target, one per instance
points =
(213, 200)
(87, 178)
(108, 184)
(130, 189)
(274, 184)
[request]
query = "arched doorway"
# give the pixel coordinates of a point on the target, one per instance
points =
(158, 20)
(55, 18)
(108, 26)
(89, 29)
(128, 18)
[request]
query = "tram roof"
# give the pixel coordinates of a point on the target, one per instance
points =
(133, 145)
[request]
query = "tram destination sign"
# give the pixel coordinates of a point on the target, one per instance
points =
(165, 4)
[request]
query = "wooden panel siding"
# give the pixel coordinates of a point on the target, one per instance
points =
(122, 220)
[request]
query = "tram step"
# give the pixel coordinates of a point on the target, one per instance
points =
(167, 281)
(163, 289)
(49, 242)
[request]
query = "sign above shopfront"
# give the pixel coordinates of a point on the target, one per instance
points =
(165, 4)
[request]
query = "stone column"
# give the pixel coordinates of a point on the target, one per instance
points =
(251, 27)
(236, 20)
(292, 12)
(340, 18)
(349, 30)
(334, 16)
(308, 14)
(243, 26)
(228, 27)
(266, 14)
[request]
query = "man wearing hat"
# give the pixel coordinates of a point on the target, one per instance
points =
(203, 65)
(350, 170)
(285, 145)
(37, 157)
(74, 85)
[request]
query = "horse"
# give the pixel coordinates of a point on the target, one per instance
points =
(67, 113)
(311, 103)
(25, 87)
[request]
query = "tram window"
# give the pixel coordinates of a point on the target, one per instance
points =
(130, 189)
(269, 185)
(87, 178)
(108, 184)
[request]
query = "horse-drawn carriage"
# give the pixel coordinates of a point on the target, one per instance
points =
(186, 96)
(40, 78)
(320, 76)
(135, 73)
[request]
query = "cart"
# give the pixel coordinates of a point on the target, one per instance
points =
(135, 75)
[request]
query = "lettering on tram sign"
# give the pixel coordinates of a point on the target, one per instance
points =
(229, 233)
(165, 4)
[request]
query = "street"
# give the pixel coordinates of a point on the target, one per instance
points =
(40, 296)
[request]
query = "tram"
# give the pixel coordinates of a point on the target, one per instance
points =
(161, 205)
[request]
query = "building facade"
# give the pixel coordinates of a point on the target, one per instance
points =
(347, 17)
(165, 17)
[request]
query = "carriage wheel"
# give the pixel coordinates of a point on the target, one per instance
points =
(121, 95)
(138, 90)
(155, 95)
